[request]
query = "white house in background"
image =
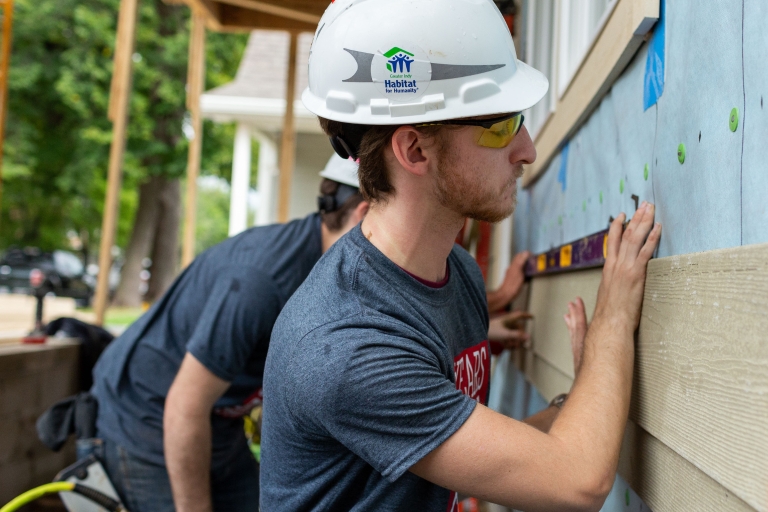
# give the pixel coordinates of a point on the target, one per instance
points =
(255, 100)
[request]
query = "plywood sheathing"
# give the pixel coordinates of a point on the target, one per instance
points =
(700, 398)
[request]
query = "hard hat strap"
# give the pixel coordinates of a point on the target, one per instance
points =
(331, 203)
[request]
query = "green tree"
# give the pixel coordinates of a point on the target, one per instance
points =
(56, 151)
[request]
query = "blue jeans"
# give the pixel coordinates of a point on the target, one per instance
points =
(145, 487)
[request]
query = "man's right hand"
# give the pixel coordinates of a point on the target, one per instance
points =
(621, 291)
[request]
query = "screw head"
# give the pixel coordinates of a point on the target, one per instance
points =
(681, 153)
(733, 121)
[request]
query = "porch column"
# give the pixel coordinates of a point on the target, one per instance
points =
(241, 180)
(268, 172)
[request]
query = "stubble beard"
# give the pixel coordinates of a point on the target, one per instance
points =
(471, 198)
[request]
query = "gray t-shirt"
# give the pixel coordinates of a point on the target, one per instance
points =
(221, 309)
(368, 371)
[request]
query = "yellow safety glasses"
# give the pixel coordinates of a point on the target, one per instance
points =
(496, 132)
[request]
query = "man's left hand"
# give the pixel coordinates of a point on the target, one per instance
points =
(509, 329)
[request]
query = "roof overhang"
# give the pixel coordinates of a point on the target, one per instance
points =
(266, 114)
(234, 15)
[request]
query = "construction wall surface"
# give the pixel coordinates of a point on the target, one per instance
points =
(715, 62)
(696, 439)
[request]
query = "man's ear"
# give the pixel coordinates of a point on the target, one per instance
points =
(357, 215)
(410, 150)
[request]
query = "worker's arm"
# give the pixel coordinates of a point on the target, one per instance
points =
(187, 434)
(513, 282)
(508, 329)
(572, 467)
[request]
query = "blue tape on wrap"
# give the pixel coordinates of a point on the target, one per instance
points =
(655, 64)
(561, 176)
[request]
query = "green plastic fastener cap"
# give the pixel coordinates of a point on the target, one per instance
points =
(681, 153)
(645, 172)
(621, 186)
(733, 121)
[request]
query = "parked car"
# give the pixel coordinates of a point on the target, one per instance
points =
(58, 272)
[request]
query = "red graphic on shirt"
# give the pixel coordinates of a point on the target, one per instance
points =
(472, 369)
(238, 411)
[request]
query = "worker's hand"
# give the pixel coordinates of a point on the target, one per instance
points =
(576, 320)
(513, 282)
(620, 295)
(509, 329)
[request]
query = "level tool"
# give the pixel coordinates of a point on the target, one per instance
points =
(587, 252)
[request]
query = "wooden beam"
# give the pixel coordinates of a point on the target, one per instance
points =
(195, 85)
(701, 378)
(5, 57)
(288, 144)
(620, 39)
(239, 18)
(120, 93)
(276, 10)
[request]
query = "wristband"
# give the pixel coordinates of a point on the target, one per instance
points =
(559, 400)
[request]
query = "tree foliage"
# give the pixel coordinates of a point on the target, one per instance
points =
(58, 135)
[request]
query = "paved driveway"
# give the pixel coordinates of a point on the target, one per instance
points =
(17, 313)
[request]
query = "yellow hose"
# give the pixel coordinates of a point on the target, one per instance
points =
(37, 492)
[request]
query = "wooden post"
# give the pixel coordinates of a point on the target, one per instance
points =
(120, 93)
(5, 57)
(195, 85)
(288, 149)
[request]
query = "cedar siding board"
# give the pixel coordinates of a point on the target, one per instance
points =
(697, 437)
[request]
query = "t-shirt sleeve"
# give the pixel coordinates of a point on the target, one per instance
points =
(386, 398)
(239, 313)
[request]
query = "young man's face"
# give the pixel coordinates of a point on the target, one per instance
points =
(479, 182)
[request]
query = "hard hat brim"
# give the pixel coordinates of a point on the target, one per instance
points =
(524, 89)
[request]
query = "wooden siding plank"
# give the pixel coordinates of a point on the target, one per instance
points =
(549, 302)
(667, 482)
(548, 380)
(701, 376)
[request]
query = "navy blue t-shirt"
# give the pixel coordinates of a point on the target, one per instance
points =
(369, 370)
(221, 309)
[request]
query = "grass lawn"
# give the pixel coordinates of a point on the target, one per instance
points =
(119, 317)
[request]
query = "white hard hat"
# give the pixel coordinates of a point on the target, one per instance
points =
(342, 171)
(376, 62)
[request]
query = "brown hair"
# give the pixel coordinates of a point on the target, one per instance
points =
(372, 171)
(335, 220)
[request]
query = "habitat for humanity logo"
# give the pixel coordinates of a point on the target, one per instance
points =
(399, 66)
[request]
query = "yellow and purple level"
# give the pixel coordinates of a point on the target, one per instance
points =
(587, 252)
